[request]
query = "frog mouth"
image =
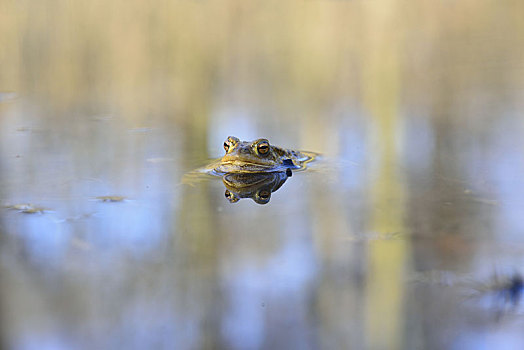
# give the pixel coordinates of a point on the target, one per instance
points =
(245, 164)
(244, 167)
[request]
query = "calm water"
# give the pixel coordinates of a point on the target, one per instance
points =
(405, 234)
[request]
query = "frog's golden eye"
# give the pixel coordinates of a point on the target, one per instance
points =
(263, 148)
(231, 197)
(230, 143)
(262, 197)
(264, 194)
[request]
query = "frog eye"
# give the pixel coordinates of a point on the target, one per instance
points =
(263, 148)
(230, 142)
(231, 197)
(263, 197)
(264, 194)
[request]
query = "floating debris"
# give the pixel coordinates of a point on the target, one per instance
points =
(27, 208)
(509, 288)
(110, 198)
(500, 295)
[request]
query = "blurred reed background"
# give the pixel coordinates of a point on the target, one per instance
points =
(300, 58)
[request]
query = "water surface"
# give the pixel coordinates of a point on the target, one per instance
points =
(405, 234)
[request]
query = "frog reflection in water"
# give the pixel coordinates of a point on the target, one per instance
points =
(258, 157)
(257, 186)
(255, 169)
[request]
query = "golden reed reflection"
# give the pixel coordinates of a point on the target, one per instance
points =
(386, 258)
(144, 59)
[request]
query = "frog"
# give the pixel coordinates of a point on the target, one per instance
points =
(257, 186)
(258, 156)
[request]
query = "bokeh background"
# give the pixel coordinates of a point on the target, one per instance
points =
(405, 234)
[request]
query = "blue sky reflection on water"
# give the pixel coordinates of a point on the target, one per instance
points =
(260, 292)
(95, 238)
(506, 163)
(270, 294)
